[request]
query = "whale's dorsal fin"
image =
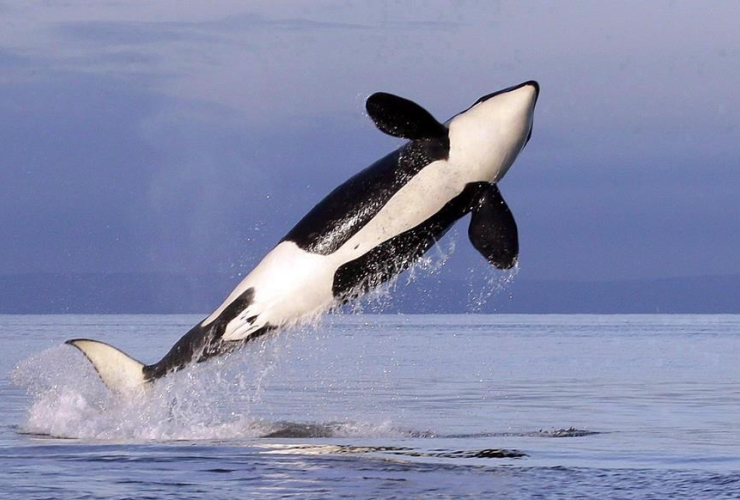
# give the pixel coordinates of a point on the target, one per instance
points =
(492, 229)
(400, 117)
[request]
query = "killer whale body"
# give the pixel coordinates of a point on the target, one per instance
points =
(367, 230)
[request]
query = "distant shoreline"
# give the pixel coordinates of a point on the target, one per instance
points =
(442, 293)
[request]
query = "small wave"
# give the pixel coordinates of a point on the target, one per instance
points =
(396, 451)
(549, 433)
(562, 433)
(485, 453)
(303, 430)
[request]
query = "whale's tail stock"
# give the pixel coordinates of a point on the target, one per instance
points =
(119, 371)
(122, 373)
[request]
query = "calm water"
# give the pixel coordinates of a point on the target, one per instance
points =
(382, 406)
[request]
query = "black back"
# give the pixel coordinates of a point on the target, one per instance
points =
(347, 209)
(397, 254)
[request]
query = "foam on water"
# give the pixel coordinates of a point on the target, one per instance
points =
(576, 406)
(210, 401)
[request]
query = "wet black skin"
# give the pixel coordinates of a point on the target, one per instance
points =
(348, 208)
(203, 342)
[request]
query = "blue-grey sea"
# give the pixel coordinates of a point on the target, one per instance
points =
(497, 406)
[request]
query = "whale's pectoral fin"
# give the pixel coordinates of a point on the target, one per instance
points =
(400, 117)
(493, 230)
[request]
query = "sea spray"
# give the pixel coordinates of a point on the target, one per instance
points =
(494, 282)
(248, 394)
(207, 401)
(380, 295)
(223, 398)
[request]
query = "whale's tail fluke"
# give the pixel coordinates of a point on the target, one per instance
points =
(119, 371)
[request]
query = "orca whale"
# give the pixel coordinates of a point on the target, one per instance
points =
(366, 231)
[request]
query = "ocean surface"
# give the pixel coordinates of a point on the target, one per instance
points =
(503, 406)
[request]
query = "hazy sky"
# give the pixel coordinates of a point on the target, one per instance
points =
(190, 136)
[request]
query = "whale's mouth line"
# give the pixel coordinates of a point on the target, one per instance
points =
(531, 83)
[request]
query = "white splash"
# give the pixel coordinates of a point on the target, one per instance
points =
(218, 400)
(209, 401)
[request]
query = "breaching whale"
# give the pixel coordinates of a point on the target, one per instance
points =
(368, 230)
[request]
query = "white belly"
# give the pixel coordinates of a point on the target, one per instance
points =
(422, 197)
(291, 284)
